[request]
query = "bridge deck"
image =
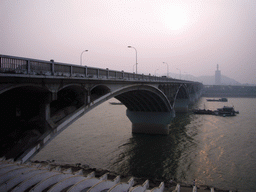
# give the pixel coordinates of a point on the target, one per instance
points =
(24, 66)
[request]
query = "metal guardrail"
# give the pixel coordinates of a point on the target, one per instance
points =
(26, 66)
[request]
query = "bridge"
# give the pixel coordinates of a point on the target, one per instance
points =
(39, 99)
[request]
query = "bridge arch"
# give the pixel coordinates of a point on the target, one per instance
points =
(175, 92)
(181, 99)
(182, 92)
(98, 91)
(69, 98)
(143, 98)
(76, 92)
(76, 86)
(9, 87)
(194, 92)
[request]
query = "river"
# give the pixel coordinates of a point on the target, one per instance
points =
(214, 150)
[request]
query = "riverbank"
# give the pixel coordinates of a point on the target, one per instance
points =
(229, 91)
(169, 185)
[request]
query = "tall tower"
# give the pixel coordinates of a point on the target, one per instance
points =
(217, 76)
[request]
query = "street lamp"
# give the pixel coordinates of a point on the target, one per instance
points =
(136, 56)
(155, 71)
(167, 69)
(180, 72)
(81, 56)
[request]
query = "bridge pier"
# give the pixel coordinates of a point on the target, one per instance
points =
(45, 107)
(150, 122)
(181, 105)
(194, 97)
(44, 114)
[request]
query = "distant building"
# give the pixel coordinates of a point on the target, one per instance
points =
(217, 76)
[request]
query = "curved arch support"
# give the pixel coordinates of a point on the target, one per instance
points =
(181, 100)
(143, 98)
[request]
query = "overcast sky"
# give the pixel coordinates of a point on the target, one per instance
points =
(192, 36)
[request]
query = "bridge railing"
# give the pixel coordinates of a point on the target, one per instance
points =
(26, 66)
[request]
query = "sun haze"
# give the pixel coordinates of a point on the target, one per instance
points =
(174, 16)
(192, 36)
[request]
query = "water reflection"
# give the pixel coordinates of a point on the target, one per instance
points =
(214, 150)
(157, 156)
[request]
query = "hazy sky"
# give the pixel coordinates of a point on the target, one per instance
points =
(190, 35)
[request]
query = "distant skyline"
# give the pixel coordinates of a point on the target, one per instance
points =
(191, 36)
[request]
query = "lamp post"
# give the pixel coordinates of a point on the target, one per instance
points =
(167, 69)
(81, 56)
(180, 72)
(155, 71)
(136, 56)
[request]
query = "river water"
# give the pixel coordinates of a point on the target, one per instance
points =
(214, 150)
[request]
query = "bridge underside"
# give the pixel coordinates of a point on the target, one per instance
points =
(32, 115)
(39, 99)
(143, 100)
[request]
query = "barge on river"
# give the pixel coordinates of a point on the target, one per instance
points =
(219, 100)
(225, 111)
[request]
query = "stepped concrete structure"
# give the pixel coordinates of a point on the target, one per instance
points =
(36, 177)
(39, 99)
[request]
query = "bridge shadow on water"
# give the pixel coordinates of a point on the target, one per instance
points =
(158, 156)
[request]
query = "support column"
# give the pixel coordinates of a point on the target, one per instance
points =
(45, 111)
(89, 98)
(193, 98)
(181, 105)
(150, 122)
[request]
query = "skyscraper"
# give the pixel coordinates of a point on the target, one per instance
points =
(217, 76)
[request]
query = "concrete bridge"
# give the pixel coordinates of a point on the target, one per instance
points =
(39, 99)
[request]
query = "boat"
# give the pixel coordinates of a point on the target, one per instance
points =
(219, 100)
(226, 111)
(115, 103)
(203, 111)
